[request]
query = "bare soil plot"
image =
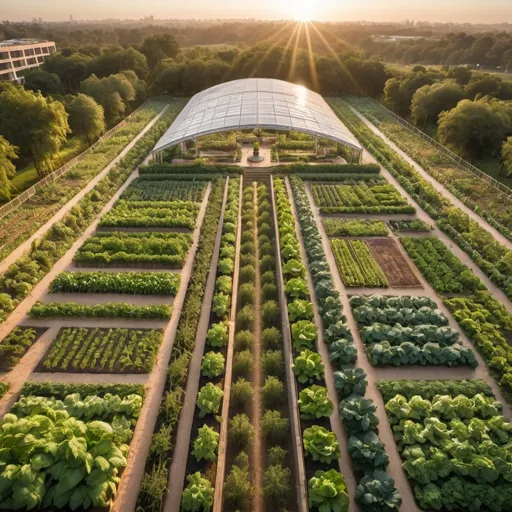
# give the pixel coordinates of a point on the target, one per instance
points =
(397, 269)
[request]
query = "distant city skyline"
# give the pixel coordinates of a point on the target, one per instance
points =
(457, 11)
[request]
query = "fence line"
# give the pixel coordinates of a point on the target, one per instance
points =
(450, 154)
(50, 178)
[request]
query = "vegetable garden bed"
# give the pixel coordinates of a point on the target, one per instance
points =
(85, 350)
(15, 345)
(410, 225)
(149, 250)
(376, 196)
(356, 264)
(455, 448)
(165, 190)
(408, 331)
(396, 268)
(355, 227)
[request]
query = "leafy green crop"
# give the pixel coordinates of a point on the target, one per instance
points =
(208, 399)
(327, 492)
(321, 444)
(300, 309)
(212, 364)
(367, 452)
(351, 381)
(358, 414)
(304, 334)
(206, 444)
(308, 367)
(217, 336)
(197, 495)
(376, 493)
(314, 403)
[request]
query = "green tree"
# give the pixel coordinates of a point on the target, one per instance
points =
(41, 80)
(159, 47)
(113, 93)
(71, 70)
(506, 157)
(86, 117)
(398, 92)
(114, 61)
(461, 74)
(430, 100)
(475, 129)
(483, 86)
(7, 169)
(37, 125)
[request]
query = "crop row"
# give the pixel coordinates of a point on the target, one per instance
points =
(205, 435)
(19, 225)
(103, 351)
(491, 256)
(154, 483)
(454, 448)
(165, 190)
(78, 450)
(321, 446)
(410, 225)
(168, 250)
(360, 197)
(376, 490)
(134, 283)
(405, 335)
(149, 214)
(110, 310)
(19, 279)
(355, 227)
(356, 264)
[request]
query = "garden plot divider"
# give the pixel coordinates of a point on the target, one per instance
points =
(298, 452)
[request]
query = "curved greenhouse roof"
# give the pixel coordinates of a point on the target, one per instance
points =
(257, 103)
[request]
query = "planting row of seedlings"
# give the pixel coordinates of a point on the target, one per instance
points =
(201, 464)
(376, 489)
(19, 225)
(454, 443)
(326, 485)
(19, 279)
(155, 481)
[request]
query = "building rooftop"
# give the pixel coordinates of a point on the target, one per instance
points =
(22, 41)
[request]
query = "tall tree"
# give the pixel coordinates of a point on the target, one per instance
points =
(159, 47)
(111, 62)
(461, 74)
(37, 125)
(430, 100)
(475, 129)
(7, 169)
(41, 80)
(70, 69)
(86, 117)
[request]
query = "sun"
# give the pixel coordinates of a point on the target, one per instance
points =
(302, 10)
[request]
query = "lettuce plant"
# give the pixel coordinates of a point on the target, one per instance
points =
(217, 335)
(304, 334)
(300, 309)
(308, 367)
(297, 288)
(321, 444)
(314, 403)
(198, 495)
(206, 444)
(327, 492)
(294, 268)
(208, 399)
(220, 304)
(212, 364)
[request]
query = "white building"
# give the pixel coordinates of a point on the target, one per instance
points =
(18, 55)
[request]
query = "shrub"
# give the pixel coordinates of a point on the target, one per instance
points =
(244, 340)
(268, 292)
(246, 294)
(267, 251)
(276, 455)
(247, 274)
(247, 237)
(267, 277)
(273, 392)
(270, 313)
(271, 338)
(245, 318)
(267, 263)
(217, 335)
(240, 431)
(275, 427)
(247, 259)
(237, 487)
(247, 248)
(212, 364)
(243, 363)
(273, 363)
(241, 392)
(206, 444)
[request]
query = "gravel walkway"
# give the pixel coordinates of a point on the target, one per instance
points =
(182, 445)
(25, 246)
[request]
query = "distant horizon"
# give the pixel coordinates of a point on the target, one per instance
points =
(369, 11)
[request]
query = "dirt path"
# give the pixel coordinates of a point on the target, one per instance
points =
(298, 452)
(91, 378)
(25, 246)
(256, 406)
(129, 486)
(182, 445)
(336, 425)
(221, 453)
(438, 186)
(119, 323)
